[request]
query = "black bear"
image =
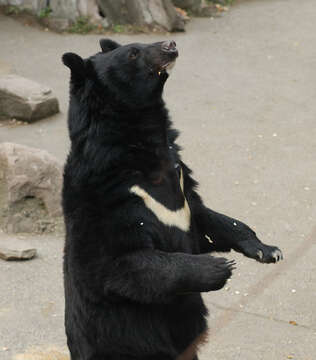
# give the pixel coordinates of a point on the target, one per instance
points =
(137, 233)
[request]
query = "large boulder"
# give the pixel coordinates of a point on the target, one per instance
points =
(150, 13)
(62, 9)
(30, 189)
(89, 8)
(25, 99)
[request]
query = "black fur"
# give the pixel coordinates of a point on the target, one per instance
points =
(132, 284)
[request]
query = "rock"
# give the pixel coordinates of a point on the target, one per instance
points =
(176, 21)
(105, 23)
(30, 189)
(151, 13)
(210, 10)
(23, 4)
(191, 5)
(90, 9)
(56, 24)
(200, 8)
(221, 2)
(25, 99)
(61, 8)
(13, 249)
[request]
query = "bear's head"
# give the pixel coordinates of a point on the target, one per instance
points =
(132, 75)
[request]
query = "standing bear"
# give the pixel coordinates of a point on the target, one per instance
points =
(137, 233)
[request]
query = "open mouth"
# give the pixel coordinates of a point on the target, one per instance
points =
(166, 67)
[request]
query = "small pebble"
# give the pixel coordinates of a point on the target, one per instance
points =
(253, 203)
(236, 182)
(293, 291)
(237, 292)
(306, 188)
(141, 224)
(235, 224)
(274, 134)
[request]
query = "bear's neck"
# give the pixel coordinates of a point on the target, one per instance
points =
(146, 127)
(118, 124)
(124, 140)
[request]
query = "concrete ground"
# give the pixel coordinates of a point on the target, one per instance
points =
(243, 94)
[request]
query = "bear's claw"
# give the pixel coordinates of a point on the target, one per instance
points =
(277, 255)
(260, 252)
(268, 254)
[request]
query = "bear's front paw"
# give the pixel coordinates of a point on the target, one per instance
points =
(214, 272)
(261, 252)
(269, 254)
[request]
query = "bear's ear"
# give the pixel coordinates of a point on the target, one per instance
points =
(76, 66)
(108, 45)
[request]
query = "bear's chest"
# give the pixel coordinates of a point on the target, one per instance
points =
(164, 198)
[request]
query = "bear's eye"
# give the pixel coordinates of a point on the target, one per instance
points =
(133, 54)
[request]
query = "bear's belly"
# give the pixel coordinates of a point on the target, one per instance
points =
(163, 320)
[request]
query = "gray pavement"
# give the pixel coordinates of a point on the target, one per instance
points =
(243, 94)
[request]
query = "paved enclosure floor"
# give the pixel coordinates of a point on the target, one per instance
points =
(243, 94)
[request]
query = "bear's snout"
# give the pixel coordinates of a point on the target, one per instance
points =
(169, 46)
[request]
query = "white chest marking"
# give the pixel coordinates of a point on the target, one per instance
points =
(180, 218)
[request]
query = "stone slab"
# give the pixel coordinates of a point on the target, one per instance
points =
(24, 99)
(14, 249)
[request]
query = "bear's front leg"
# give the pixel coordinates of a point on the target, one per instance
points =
(152, 276)
(219, 232)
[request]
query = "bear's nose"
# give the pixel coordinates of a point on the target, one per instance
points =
(169, 46)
